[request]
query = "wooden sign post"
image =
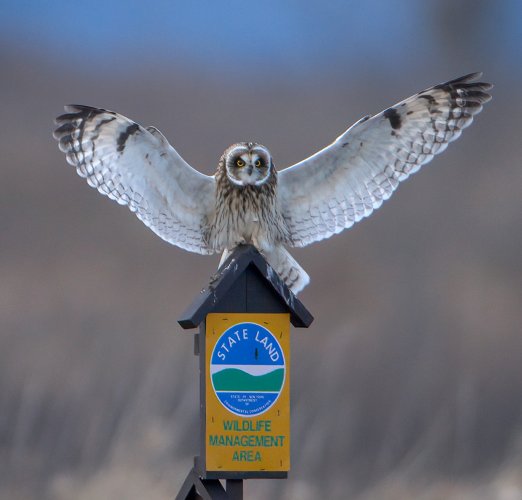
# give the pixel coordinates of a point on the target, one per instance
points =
(243, 344)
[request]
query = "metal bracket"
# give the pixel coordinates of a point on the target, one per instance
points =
(195, 488)
(196, 344)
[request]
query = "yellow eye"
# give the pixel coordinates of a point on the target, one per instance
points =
(257, 163)
(240, 162)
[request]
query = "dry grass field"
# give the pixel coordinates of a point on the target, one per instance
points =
(408, 385)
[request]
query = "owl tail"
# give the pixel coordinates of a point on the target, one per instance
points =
(287, 268)
(293, 275)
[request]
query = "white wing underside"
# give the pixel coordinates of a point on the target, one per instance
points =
(137, 167)
(319, 197)
(346, 181)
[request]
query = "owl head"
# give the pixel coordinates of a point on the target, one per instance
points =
(247, 163)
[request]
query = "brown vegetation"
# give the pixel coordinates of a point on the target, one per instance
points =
(408, 384)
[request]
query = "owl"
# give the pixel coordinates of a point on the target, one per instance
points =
(248, 201)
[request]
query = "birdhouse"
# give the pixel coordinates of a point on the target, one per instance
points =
(244, 319)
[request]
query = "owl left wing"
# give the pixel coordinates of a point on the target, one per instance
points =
(349, 179)
(137, 167)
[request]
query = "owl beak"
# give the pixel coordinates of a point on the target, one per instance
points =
(249, 170)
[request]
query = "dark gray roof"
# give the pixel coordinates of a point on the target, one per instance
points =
(246, 283)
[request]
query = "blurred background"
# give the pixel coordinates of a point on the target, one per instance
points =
(408, 385)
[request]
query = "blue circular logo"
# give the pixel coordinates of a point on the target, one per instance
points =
(247, 369)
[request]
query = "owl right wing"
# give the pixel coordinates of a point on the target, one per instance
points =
(137, 167)
(350, 178)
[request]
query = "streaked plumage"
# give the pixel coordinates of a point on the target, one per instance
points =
(247, 201)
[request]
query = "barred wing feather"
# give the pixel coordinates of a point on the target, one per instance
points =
(137, 167)
(346, 181)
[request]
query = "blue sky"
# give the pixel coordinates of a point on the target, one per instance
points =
(269, 34)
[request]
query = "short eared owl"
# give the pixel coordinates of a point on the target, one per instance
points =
(247, 200)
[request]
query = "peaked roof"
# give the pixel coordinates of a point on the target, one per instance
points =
(246, 260)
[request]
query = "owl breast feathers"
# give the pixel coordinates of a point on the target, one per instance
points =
(247, 200)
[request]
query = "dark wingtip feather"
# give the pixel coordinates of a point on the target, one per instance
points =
(80, 108)
(466, 78)
(474, 91)
(64, 129)
(75, 111)
(467, 81)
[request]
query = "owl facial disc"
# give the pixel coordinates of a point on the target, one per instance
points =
(248, 164)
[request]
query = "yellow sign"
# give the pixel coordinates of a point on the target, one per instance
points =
(247, 392)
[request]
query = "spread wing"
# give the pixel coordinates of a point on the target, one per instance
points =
(351, 177)
(137, 167)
